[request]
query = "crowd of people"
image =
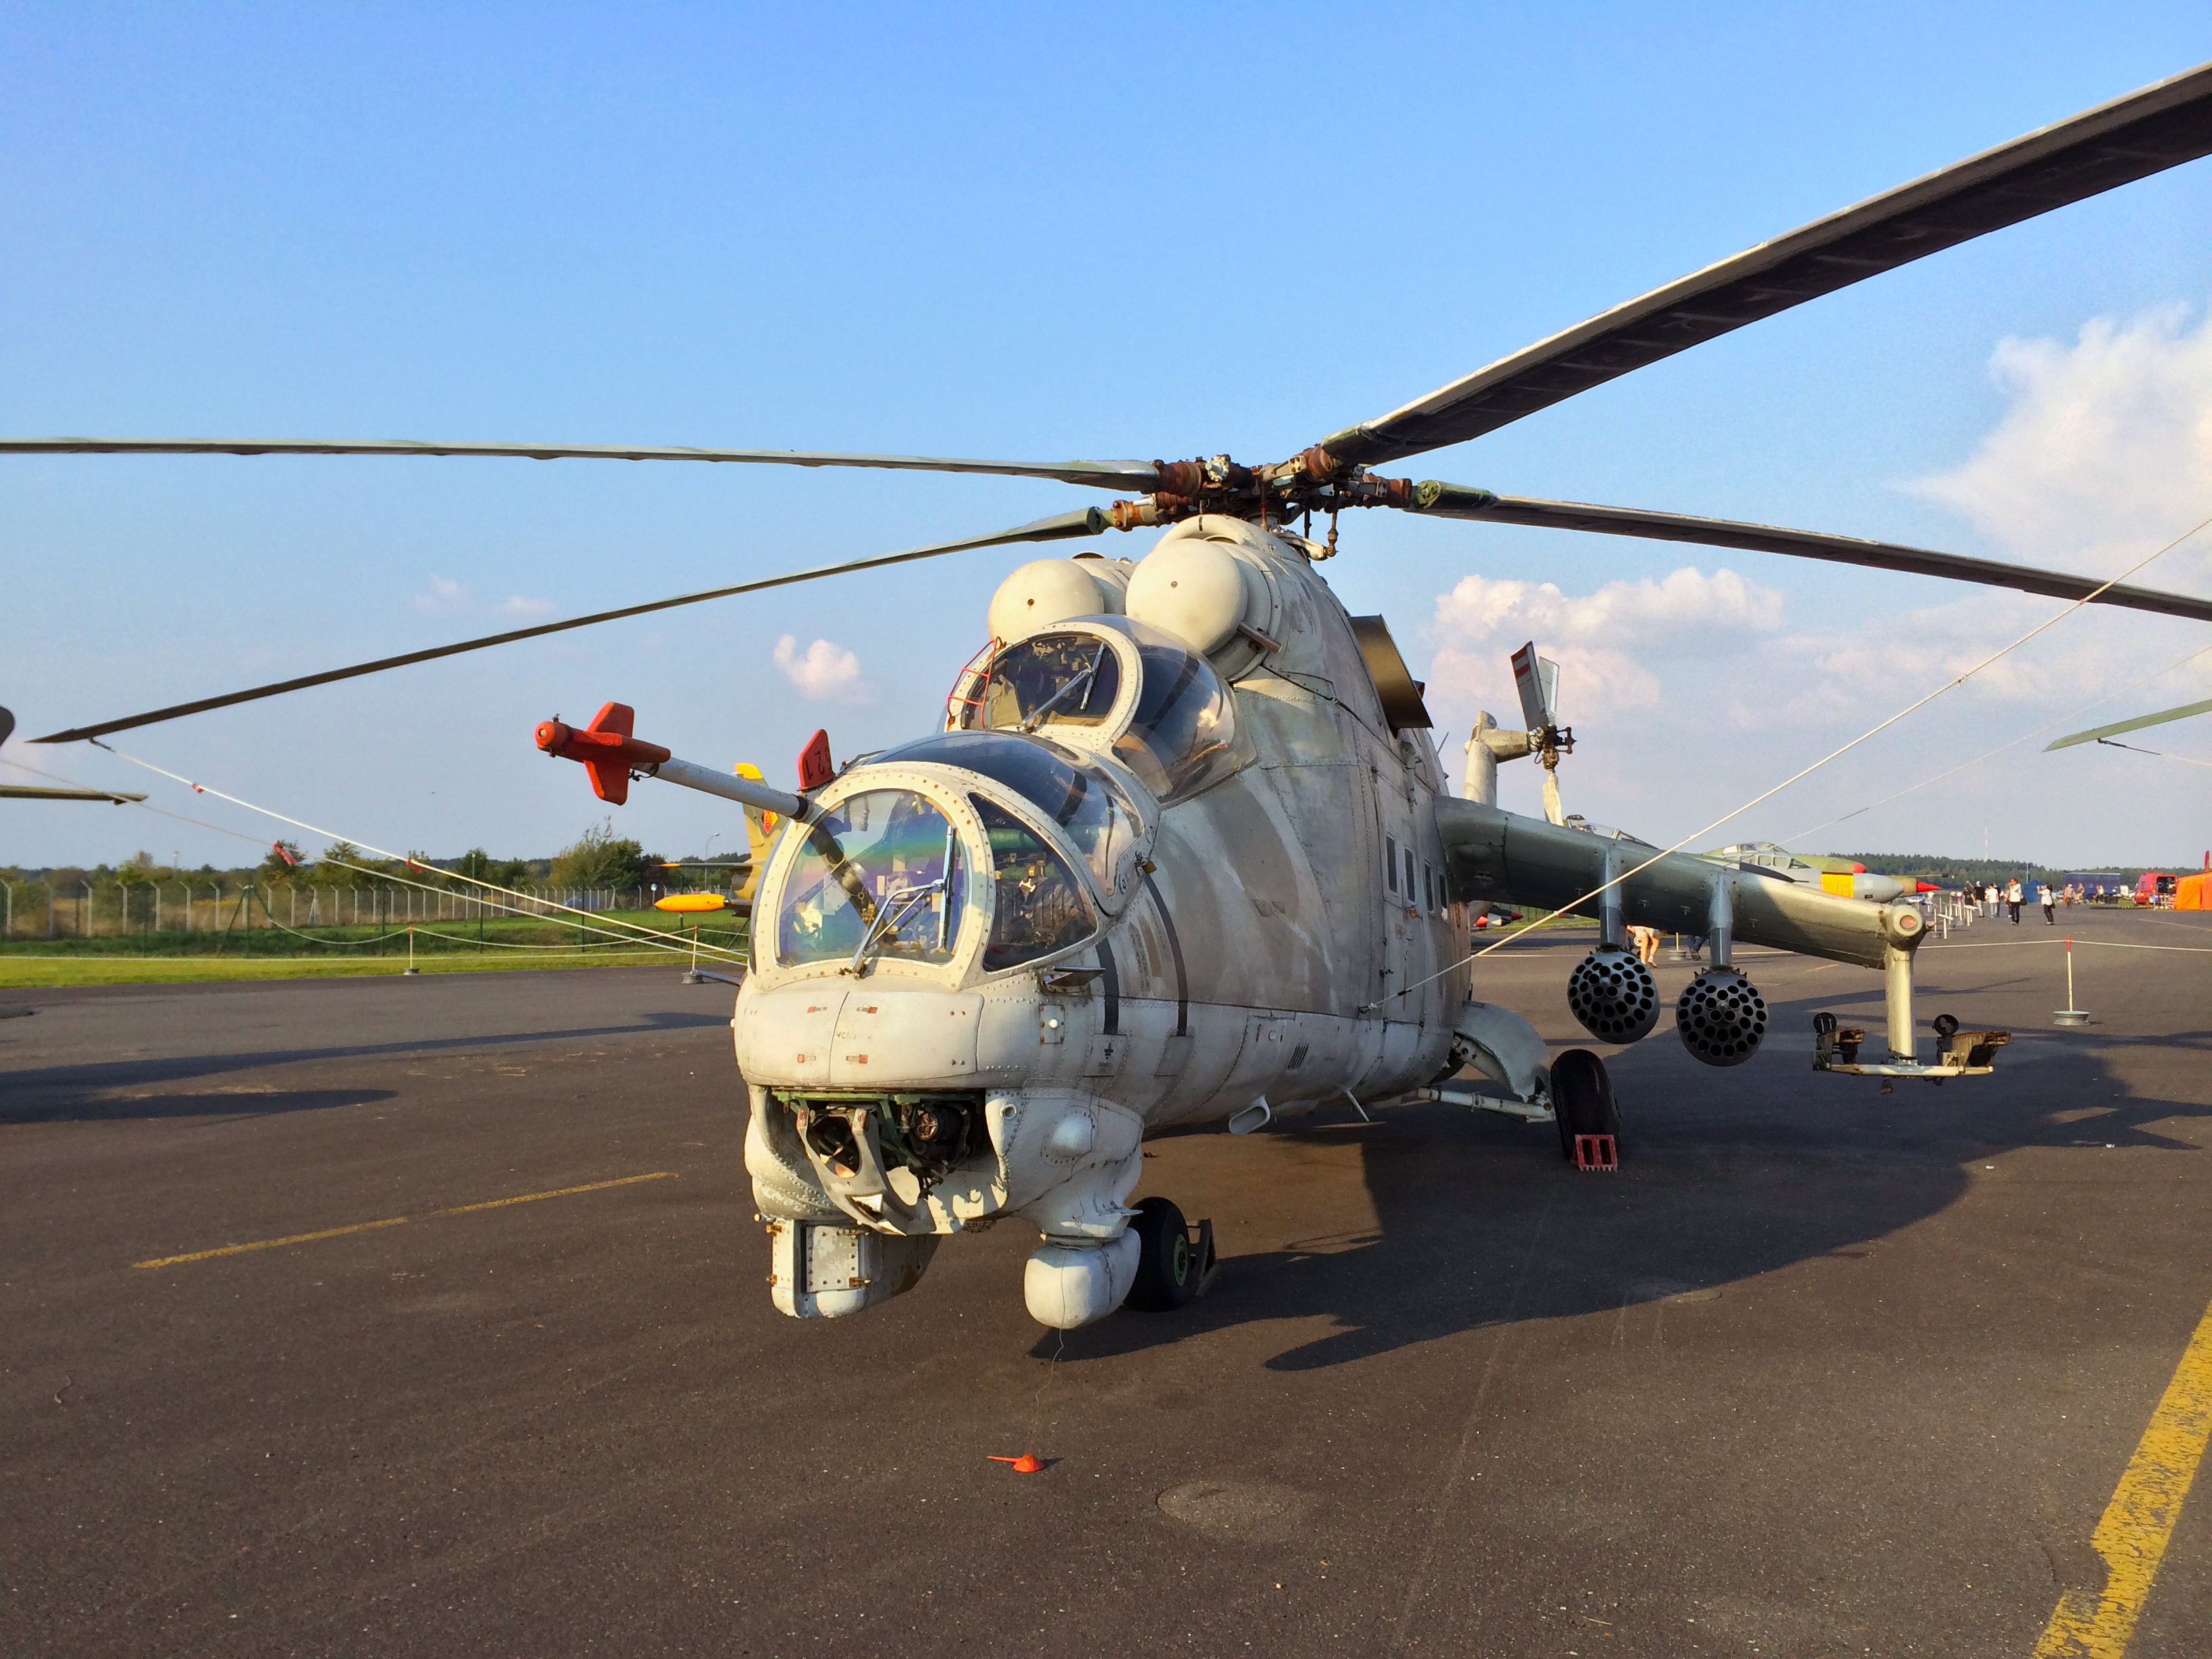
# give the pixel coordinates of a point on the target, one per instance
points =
(1990, 898)
(2012, 894)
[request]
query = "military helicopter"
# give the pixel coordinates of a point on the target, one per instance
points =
(1179, 851)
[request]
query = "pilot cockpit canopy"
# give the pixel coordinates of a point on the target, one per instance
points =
(1119, 687)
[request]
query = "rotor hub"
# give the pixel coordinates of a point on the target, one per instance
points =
(1312, 481)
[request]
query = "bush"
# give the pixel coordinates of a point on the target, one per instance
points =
(599, 859)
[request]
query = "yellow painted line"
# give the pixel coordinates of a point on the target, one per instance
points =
(558, 1192)
(400, 1220)
(2140, 1519)
(271, 1243)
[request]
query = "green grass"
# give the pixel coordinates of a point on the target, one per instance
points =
(345, 953)
(18, 971)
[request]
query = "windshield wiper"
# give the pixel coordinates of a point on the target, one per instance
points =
(1088, 678)
(896, 909)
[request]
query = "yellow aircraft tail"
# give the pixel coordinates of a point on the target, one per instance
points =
(760, 832)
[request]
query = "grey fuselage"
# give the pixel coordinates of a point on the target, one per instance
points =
(1259, 942)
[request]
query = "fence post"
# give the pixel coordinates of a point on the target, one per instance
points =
(7, 927)
(84, 911)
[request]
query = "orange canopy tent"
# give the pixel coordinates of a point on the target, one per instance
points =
(2193, 893)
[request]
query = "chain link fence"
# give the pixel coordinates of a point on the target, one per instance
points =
(41, 910)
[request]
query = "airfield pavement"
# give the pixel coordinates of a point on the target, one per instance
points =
(1819, 1371)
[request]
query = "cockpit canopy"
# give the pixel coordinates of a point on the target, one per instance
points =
(884, 874)
(1062, 783)
(1112, 684)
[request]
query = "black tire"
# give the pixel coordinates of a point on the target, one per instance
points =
(1167, 1265)
(1582, 1099)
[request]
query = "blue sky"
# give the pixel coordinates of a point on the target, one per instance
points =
(1040, 232)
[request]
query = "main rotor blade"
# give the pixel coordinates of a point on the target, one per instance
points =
(1139, 475)
(2130, 138)
(34, 792)
(1448, 500)
(2135, 725)
(1090, 521)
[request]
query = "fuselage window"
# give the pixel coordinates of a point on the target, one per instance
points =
(884, 872)
(1390, 862)
(1178, 739)
(1037, 907)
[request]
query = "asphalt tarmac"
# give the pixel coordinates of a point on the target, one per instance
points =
(1819, 1371)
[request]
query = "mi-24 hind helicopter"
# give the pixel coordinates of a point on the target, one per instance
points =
(1179, 852)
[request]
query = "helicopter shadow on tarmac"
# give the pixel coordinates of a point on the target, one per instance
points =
(57, 1093)
(1726, 1175)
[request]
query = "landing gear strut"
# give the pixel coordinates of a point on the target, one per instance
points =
(1173, 1264)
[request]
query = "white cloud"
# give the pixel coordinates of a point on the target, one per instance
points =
(525, 610)
(826, 672)
(441, 598)
(1603, 642)
(1696, 691)
(2105, 452)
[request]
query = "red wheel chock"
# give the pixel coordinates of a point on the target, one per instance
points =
(1596, 1152)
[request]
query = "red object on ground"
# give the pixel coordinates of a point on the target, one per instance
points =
(605, 747)
(1027, 1463)
(1596, 1152)
(814, 768)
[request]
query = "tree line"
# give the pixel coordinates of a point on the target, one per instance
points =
(598, 858)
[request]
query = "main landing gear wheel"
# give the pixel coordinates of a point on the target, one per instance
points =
(1582, 1099)
(1168, 1267)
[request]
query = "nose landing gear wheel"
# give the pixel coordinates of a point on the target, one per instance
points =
(1168, 1267)
(1582, 1099)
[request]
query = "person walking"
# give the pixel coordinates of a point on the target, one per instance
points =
(2015, 897)
(2044, 897)
(1989, 896)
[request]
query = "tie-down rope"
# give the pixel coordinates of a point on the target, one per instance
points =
(650, 938)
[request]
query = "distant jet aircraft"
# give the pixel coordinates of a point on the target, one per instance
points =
(1839, 876)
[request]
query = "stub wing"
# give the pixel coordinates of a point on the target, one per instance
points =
(1506, 858)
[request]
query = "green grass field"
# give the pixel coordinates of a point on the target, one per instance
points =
(451, 947)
